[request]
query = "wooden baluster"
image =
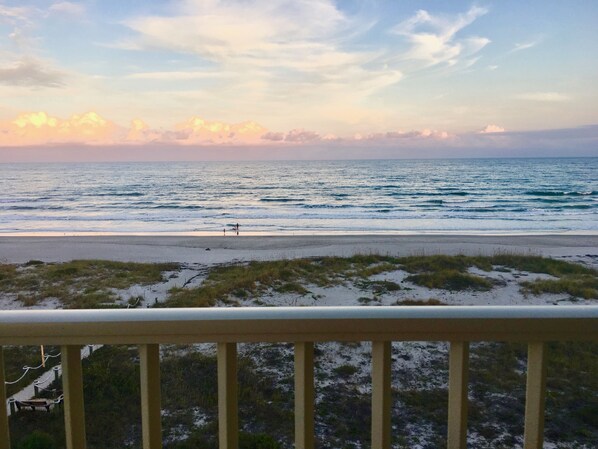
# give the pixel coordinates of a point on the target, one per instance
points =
(304, 395)
(151, 420)
(381, 397)
(72, 385)
(228, 416)
(457, 403)
(534, 397)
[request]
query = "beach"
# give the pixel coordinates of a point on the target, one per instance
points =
(186, 249)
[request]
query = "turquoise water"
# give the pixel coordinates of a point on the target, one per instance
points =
(481, 195)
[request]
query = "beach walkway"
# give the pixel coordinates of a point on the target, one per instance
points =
(46, 378)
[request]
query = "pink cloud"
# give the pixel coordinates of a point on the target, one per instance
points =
(38, 128)
(274, 137)
(491, 129)
(199, 131)
(394, 135)
(301, 136)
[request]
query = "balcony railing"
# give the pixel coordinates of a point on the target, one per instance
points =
(302, 326)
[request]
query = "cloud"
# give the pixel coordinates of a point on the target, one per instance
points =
(30, 72)
(196, 130)
(525, 45)
(549, 97)
(14, 14)
(274, 54)
(301, 136)
(68, 8)
(434, 39)
(273, 136)
(270, 33)
(390, 136)
(188, 139)
(175, 76)
(39, 128)
(492, 129)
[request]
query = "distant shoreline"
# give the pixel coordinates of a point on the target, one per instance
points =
(230, 232)
(194, 249)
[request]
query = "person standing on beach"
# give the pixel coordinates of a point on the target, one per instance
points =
(237, 227)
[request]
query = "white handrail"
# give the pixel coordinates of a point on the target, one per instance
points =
(423, 323)
(301, 325)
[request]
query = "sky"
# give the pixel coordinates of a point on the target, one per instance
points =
(297, 79)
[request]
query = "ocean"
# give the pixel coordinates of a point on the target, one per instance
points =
(314, 197)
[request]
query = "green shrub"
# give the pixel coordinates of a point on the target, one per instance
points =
(37, 440)
(257, 441)
(451, 280)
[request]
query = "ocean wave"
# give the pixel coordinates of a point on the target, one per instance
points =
(281, 200)
(179, 207)
(117, 194)
(29, 208)
(560, 193)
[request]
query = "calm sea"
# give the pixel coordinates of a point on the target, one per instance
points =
(482, 195)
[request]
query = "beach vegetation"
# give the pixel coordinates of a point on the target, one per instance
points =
(254, 279)
(377, 287)
(79, 283)
(345, 371)
(420, 302)
(282, 276)
(539, 264)
(37, 440)
(576, 285)
(452, 280)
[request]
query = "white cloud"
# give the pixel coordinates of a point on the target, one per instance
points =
(70, 8)
(435, 40)
(548, 97)
(14, 14)
(175, 76)
(492, 129)
(283, 56)
(271, 33)
(525, 45)
(30, 72)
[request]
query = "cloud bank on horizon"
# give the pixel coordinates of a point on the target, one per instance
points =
(318, 73)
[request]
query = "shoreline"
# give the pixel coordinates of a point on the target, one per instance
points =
(210, 250)
(231, 232)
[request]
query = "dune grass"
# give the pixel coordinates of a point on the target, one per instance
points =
(577, 285)
(224, 283)
(452, 280)
(242, 281)
(79, 283)
(91, 283)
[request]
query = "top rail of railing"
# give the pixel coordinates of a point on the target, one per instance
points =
(293, 324)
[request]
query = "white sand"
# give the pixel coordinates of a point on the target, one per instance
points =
(232, 248)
